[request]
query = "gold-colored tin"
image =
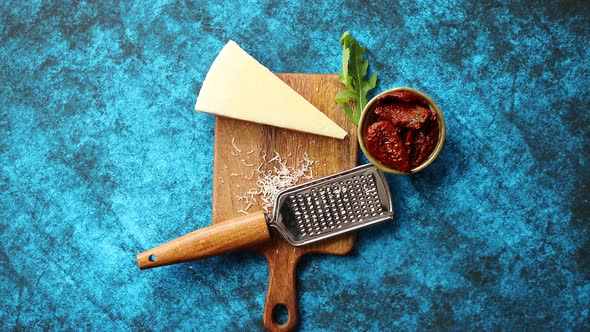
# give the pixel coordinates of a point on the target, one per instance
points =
(368, 116)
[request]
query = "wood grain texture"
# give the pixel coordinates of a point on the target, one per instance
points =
(234, 175)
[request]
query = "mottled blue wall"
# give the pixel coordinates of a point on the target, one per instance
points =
(102, 156)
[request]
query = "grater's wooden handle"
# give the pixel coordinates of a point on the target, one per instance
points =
(220, 238)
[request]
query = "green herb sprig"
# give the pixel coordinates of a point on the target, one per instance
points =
(354, 70)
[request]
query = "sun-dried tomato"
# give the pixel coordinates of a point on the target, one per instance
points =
(424, 143)
(384, 142)
(403, 96)
(402, 114)
(407, 137)
(405, 131)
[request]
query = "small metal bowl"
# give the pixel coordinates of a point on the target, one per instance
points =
(368, 117)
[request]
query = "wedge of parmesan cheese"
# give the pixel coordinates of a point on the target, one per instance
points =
(239, 87)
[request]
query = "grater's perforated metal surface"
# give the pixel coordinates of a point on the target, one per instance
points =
(344, 203)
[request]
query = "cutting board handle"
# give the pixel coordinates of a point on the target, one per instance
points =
(220, 238)
(281, 296)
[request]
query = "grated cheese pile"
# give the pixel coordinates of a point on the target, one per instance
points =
(279, 176)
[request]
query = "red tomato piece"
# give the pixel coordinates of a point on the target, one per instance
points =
(384, 143)
(403, 96)
(424, 142)
(409, 115)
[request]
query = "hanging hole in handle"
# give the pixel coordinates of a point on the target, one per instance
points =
(152, 258)
(280, 314)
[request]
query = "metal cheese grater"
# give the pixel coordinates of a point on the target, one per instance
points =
(332, 205)
(302, 214)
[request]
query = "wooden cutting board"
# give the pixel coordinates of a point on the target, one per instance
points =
(240, 148)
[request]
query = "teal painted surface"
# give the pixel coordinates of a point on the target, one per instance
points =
(102, 156)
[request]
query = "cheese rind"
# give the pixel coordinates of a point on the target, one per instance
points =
(239, 87)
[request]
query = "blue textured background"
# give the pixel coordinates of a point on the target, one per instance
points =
(102, 156)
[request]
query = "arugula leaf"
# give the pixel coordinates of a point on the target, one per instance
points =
(354, 70)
